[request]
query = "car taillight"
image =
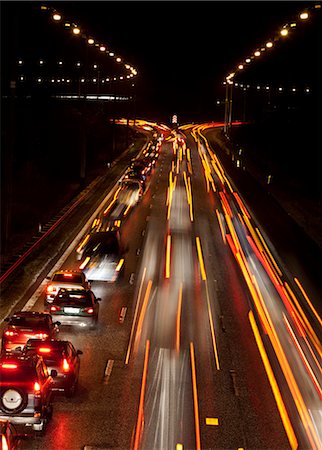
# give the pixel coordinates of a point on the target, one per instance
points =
(41, 335)
(10, 333)
(4, 442)
(65, 365)
(51, 289)
(36, 387)
(9, 366)
(89, 310)
(44, 350)
(54, 308)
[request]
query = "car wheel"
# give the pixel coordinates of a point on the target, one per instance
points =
(13, 400)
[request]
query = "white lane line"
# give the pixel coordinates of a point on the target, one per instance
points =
(122, 314)
(108, 370)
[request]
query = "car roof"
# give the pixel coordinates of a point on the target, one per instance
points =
(31, 314)
(74, 272)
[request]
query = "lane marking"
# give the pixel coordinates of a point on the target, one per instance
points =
(122, 314)
(108, 370)
(212, 421)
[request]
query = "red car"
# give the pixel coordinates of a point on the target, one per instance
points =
(24, 325)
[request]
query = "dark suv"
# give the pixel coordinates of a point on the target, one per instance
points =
(25, 390)
(61, 356)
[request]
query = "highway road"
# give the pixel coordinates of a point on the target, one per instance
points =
(203, 343)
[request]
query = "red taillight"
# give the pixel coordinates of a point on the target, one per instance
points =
(51, 289)
(65, 365)
(9, 366)
(36, 387)
(54, 308)
(44, 350)
(10, 333)
(89, 310)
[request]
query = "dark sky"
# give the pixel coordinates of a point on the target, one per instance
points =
(184, 49)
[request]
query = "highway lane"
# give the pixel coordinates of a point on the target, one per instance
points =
(185, 367)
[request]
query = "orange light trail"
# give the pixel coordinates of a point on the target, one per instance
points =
(168, 257)
(303, 357)
(308, 301)
(134, 318)
(202, 267)
(306, 324)
(142, 395)
(241, 205)
(277, 395)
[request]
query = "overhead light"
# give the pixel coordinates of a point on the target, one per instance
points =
(284, 32)
(57, 17)
(90, 41)
(102, 48)
(269, 44)
(240, 66)
(248, 60)
(257, 53)
(76, 30)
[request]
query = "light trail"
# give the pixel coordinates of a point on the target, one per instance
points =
(195, 396)
(277, 395)
(134, 318)
(178, 319)
(202, 266)
(140, 420)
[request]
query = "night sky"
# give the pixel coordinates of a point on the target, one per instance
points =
(184, 49)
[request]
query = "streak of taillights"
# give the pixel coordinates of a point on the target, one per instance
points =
(225, 204)
(84, 263)
(143, 310)
(82, 244)
(168, 257)
(195, 395)
(241, 205)
(305, 323)
(201, 262)
(127, 210)
(178, 319)
(269, 253)
(120, 264)
(212, 329)
(296, 394)
(134, 318)
(109, 206)
(277, 395)
(308, 301)
(138, 432)
(303, 357)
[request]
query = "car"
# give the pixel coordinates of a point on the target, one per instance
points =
(10, 439)
(76, 307)
(136, 175)
(130, 193)
(25, 390)
(24, 325)
(61, 356)
(65, 279)
(103, 256)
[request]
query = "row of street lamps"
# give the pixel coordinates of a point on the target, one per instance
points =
(282, 33)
